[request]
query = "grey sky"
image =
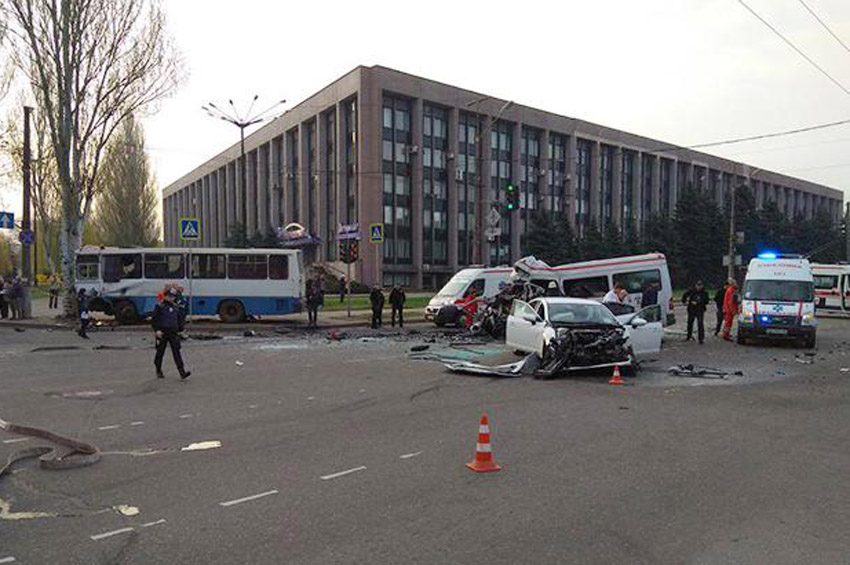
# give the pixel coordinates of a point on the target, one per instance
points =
(683, 71)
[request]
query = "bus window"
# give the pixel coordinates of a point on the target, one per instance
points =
(589, 287)
(88, 267)
(208, 266)
(637, 281)
(120, 267)
(279, 267)
(254, 267)
(164, 266)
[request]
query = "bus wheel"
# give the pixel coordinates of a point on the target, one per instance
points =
(125, 312)
(231, 312)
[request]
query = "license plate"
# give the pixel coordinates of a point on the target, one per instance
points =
(773, 331)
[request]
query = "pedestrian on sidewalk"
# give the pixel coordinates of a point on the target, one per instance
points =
(376, 298)
(83, 313)
(342, 288)
(718, 301)
(314, 300)
(696, 299)
(53, 292)
(397, 299)
(15, 296)
(4, 302)
(730, 307)
(168, 320)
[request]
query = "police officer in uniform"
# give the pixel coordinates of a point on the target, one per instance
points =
(167, 321)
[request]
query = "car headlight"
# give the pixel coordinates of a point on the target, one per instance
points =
(808, 319)
(747, 315)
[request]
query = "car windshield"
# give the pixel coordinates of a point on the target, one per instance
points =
(454, 287)
(785, 291)
(580, 314)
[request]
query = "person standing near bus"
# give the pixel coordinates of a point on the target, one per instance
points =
(314, 300)
(83, 311)
(397, 299)
(730, 307)
(167, 320)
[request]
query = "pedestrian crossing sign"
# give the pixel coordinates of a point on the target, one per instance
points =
(376, 233)
(190, 229)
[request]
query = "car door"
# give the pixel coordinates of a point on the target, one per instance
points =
(524, 330)
(646, 338)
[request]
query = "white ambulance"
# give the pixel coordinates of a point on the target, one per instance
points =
(832, 287)
(778, 300)
(481, 280)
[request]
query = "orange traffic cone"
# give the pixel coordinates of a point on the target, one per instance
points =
(483, 462)
(616, 379)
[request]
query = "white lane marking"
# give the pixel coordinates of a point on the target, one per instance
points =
(16, 440)
(248, 498)
(409, 455)
(112, 427)
(184, 416)
(156, 523)
(311, 398)
(202, 445)
(9, 559)
(105, 535)
(252, 406)
(342, 473)
(140, 423)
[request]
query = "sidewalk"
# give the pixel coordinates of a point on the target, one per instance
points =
(43, 317)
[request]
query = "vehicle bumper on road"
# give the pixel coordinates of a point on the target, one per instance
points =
(775, 332)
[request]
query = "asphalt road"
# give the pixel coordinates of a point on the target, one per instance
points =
(350, 452)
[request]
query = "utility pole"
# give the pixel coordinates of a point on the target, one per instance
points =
(26, 228)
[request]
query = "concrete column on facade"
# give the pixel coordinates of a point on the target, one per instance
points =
(516, 152)
(544, 196)
(221, 207)
(205, 212)
(416, 200)
(275, 182)
(369, 199)
(594, 214)
(286, 179)
(572, 179)
(214, 204)
(655, 185)
(691, 176)
(324, 231)
(251, 192)
(303, 177)
(238, 194)
(263, 188)
(166, 216)
(617, 187)
(339, 148)
(674, 185)
(451, 169)
(483, 194)
(192, 203)
(230, 198)
(637, 190)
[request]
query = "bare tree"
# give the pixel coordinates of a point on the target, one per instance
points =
(126, 209)
(91, 64)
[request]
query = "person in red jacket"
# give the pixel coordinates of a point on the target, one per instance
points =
(469, 307)
(730, 307)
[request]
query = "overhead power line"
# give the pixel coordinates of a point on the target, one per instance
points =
(795, 48)
(826, 27)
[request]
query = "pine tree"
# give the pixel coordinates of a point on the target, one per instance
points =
(700, 242)
(593, 245)
(237, 237)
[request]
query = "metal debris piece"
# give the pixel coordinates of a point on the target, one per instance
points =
(700, 372)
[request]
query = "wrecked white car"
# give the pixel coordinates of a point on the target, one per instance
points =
(570, 334)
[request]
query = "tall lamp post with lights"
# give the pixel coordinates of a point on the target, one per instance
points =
(242, 121)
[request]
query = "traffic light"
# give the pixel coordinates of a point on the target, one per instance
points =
(343, 251)
(353, 251)
(511, 197)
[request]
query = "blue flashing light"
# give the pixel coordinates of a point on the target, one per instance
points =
(765, 319)
(768, 255)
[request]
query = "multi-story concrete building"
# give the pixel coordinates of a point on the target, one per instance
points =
(430, 161)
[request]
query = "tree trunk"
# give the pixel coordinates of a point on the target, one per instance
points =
(70, 237)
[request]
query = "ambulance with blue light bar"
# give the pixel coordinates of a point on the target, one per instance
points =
(778, 300)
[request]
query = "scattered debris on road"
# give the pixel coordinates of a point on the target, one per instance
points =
(202, 445)
(240, 363)
(700, 372)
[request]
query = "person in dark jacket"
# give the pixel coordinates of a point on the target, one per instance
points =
(696, 299)
(397, 299)
(718, 301)
(314, 300)
(167, 320)
(649, 296)
(83, 311)
(376, 298)
(342, 289)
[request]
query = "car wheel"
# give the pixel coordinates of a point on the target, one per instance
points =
(231, 312)
(740, 339)
(810, 342)
(125, 312)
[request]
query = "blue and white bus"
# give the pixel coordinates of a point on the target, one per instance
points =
(230, 283)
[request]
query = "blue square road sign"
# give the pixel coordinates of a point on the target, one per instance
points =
(190, 229)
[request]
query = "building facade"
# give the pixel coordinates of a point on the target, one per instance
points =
(431, 161)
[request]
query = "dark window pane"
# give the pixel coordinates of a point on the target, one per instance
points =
(586, 288)
(121, 267)
(279, 267)
(637, 281)
(164, 266)
(88, 267)
(208, 266)
(247, 267)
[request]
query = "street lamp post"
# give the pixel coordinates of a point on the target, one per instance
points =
(242, 122)
(480, 137)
